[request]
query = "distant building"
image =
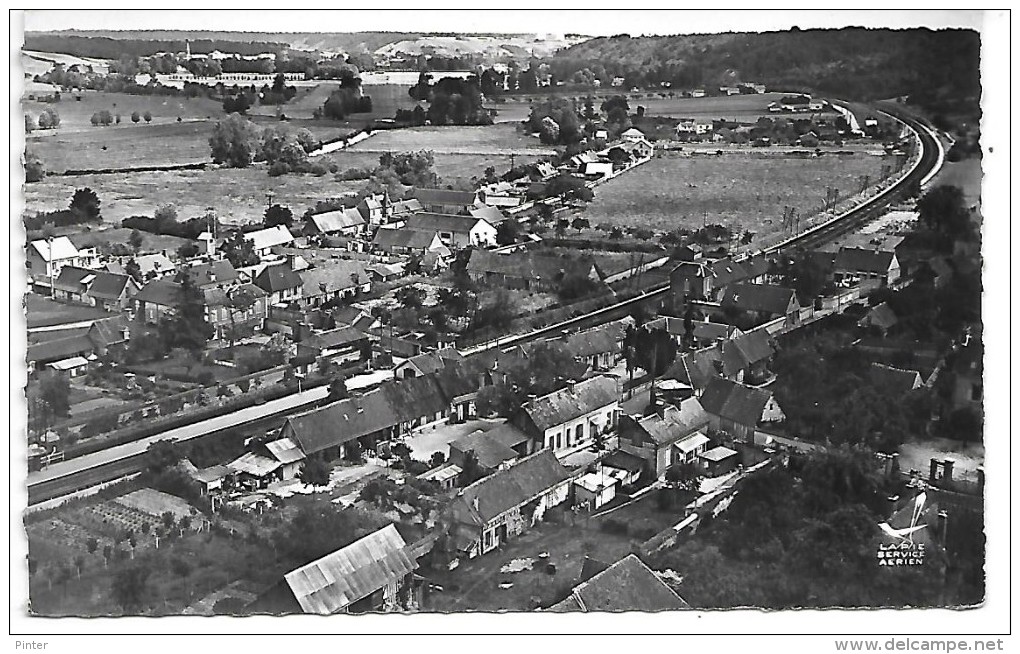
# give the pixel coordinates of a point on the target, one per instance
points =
(440, 200)
(346, 222)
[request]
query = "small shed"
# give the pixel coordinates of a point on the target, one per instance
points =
(445, 476)
(73, 366)
(719, 460)
(594, 490)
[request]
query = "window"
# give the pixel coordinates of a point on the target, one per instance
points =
(579, 434)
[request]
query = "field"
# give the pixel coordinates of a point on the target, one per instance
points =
(123, 146)
(487, 140)
(77, 114)
(744, 191)
(236, 195)
(386, 99)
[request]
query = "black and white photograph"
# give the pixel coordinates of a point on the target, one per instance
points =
(483, 315)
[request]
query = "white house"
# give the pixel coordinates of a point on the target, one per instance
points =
(264, 240)
(570, 416)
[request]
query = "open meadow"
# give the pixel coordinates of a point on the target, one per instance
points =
(742, 191)
(236, 195)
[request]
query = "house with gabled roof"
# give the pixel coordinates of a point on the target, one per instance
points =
(627, 585)
(897, 381)
(44, 258)
(597, 349)
(400, 210)
(571, 415)
(691, 279)
(763, 300)
(426, 363)
(455, 231)
(162, 296)
(344, 222)
(881, 317)
(527, 270)
(373, 209)
(264, 240)
(98, 288)
(338, 347)
(373, 574)
(503, 505)
(489, 453)
(441, 200)
(333, 279)
(491, 215)
(407, 241)
(853, 265)
(738, 409)
(754, 351)
(280, 283)
(670, 435)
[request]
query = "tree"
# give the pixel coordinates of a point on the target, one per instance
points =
(55, 392)
(410, 297)
(187, 250)
(235, 142)
(314, 472)
(278, 215)
(162, 455)
(129, 587)
(338, 389)
(580, 223)
(188, 327)
(135, 240)
(239, 251)
(85, 204)
(30, 124)
(135, 117)
(685, 476)
(508, 231)
(35, 170)
(943, 210)
(651, 349)
(147, 116)
(49, 119)
(134, 270)
(240, 301)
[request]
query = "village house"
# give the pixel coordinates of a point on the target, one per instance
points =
(487, 452)
(373, 209)
(596, 348)
(264, 464)
(97, 288)
(336, 347)
(161, 297)
(460, 380)
(343, 222)
(416, 402)
(764, 301)
(353, 317)
(344, 428)
(70, 350)
(446, 201)
(407, 241)
(688, 252)
(704, 332)
(854, 265)
(896, 381)
(627, 585)
(44, 258)
(333, 279)
(426, 363)
(400, 210)
(719, 460)
(280, 283)
(372, 574)
(386, 272)
(738, 409)
(455, 232)
(264, 240)
(501, 194)
(503, 505)
(690, 280)
(570, 416)
(151, 266)
(880, 317)
(669, 436)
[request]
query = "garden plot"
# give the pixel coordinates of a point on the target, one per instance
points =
(155, 503)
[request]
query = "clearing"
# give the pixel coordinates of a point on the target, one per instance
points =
(744, 191)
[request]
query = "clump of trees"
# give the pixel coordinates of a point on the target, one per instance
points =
(346, 99)
(451, 100)
(49, 119)
(556, 121)
(548, 367)
(102, 118)
(238, 143)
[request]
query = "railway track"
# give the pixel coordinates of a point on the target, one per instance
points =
(930, 160)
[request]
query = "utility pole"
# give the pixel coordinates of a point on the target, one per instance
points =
(269, 200)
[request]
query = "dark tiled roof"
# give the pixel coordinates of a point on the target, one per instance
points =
(897, 380)
(404, 238)
(277, 278)
(699, 367)
(429, 362)
(415, 397)
(334, 338)
(592, 342)
(766, 298)
(881, 315)
(333, 275)
(863, 260)
(570, 402)
(752, 347)
(503, 490)
(59, 348)
(727, 271)
(441, 222)
(624, 461)
(490, 452)
(215, 272)
(160, 291)
(675, 423)
(508, 435)
(728, 399)
(340, 422)
(108, 331)
(627, 585)
(444, 196)
(459, 378)
(101, 284)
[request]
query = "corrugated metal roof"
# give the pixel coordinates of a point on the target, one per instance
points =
(253, 464)
(337, 580)
(285, 450)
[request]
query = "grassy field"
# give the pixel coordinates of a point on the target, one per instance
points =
(77, 114)
(386, 99)
(123, 146)
(743, 191)
(487, 140)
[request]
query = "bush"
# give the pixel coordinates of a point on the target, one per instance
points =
(318, 169)
(279, 168)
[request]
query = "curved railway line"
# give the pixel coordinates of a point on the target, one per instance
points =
(924, 169)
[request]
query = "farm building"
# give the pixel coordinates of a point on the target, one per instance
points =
(503, 505)
(570, 416)
(372, 574)
(441, 200)
(455, 232)
(407, 241)
(670, 435)
(627, 585)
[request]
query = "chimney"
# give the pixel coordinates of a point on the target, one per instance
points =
(947, 470)
(933, 469)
